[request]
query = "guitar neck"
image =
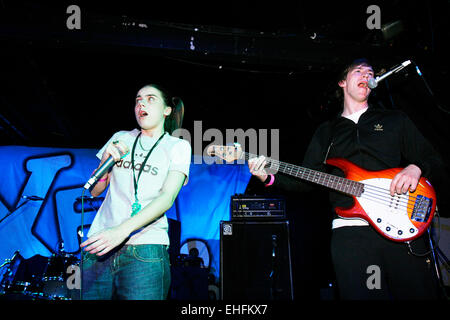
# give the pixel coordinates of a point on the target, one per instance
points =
(337, 183)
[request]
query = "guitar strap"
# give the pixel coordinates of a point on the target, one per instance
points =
(332, 128)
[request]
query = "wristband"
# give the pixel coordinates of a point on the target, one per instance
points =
(272, 179)
(104, 179)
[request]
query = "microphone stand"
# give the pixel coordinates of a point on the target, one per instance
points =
(9, 274)
(274, 272)
(9, 261)
(436, 253)
(429, 89)
(10, 213)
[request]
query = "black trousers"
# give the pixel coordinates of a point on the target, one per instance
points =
(369, 266)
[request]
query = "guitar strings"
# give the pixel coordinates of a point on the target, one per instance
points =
(370, 192)
(404, 198)
(395, 204)
(293, 167)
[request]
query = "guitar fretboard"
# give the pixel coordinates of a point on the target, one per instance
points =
(344, 185)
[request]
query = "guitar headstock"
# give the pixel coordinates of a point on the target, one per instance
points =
(227, 153)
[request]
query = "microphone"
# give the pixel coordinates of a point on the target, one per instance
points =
(373, 82)
(102, 170)
(33, 198)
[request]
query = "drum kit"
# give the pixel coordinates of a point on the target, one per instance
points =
(38, 278)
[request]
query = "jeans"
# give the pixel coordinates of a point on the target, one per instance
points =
(130, 272)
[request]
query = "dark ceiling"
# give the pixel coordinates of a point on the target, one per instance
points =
(236, 65)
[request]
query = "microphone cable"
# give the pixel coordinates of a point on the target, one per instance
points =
(433, 244)
(81, 249)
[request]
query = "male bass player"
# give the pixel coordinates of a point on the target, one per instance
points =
(126, 250)
(373, 139)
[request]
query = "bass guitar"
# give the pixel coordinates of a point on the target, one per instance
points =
(401, 218)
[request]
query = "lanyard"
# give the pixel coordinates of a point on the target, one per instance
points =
(136, 205)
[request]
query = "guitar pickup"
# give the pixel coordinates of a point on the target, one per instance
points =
(422, 209)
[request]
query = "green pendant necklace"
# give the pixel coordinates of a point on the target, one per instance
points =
(136, 206)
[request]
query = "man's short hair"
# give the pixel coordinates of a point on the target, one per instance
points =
(352, 65)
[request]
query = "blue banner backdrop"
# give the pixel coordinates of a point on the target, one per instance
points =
(39, 188)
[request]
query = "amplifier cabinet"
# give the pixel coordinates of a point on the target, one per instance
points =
(255, 260)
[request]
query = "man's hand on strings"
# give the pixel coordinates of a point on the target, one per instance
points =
(405, 180)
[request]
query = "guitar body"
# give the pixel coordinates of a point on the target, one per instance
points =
(399, 217)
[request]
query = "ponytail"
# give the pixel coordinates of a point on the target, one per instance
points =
(175, 119)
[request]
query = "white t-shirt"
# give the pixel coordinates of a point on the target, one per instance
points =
(170, 154)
